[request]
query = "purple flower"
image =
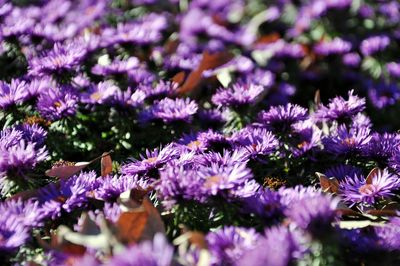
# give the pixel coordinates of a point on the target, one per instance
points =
(178, 183)
(394, 69)
(280, 118)
(351, 59)
(281, 244)
(357, 190)
(61, 59)
(226, 158)
(17, 219)
(342, 171)
(238, 94)
(201, 182)
(14, 93)
(374, 44)
(382, 147)
(169, 110)
(383, 94)
(116, 67)
(388, 234)
(305, 136)
(335, 46)
(265, 203)
(314, 213)
(147, 30)
(68, 195)
(214, 140)
(110, 187)
(256, 141)
(236, 180)
(157, 252)
(152, 161)
(57, 103)
(339, 108)
(13, 233)
(228, 244)
(361, 121)
(21, 148)
(102, 93)
(347, 141)
(160, 91)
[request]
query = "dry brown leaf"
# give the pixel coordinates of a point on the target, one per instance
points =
(106, 164)
(328, 184)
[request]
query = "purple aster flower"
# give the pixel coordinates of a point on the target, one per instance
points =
(14, 93)
(17, 219)
(394, 69)
(304, 136)
(61, 59)
(289, 50)
(351, 59)
(238, 94)
(5, 8)
(265, 203)
(282, 246)
(261, 77)
(21, 148)
(57, 103)
(231, 179)
(110, 187)
(151, 161)
(157, 252)
(28, 212)
(169, 110)
(179, 183)
(346, 141)
(202, 182)
(382, 147)
(13, 233)
(226, 158)
(359, 190)
(228, 244)
(389, 234)
(161, 90)
(290, 195)
(314, 213)
(147, 30)
(190, 142)
(374, 44)
(335, 46)
(116, 67)
(70, 194)
(214, 140)
(102, 93)
(280, 118)
(339, 108)
(383, 94)
(342, 171)
(361, 121)
(256, 141)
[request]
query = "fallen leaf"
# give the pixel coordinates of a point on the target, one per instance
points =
(208, 61)
(139, 223)
(179, 78)
(328, 184)
(106, 164)
(65, 169)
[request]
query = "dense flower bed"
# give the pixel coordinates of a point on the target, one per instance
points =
(241, 132)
